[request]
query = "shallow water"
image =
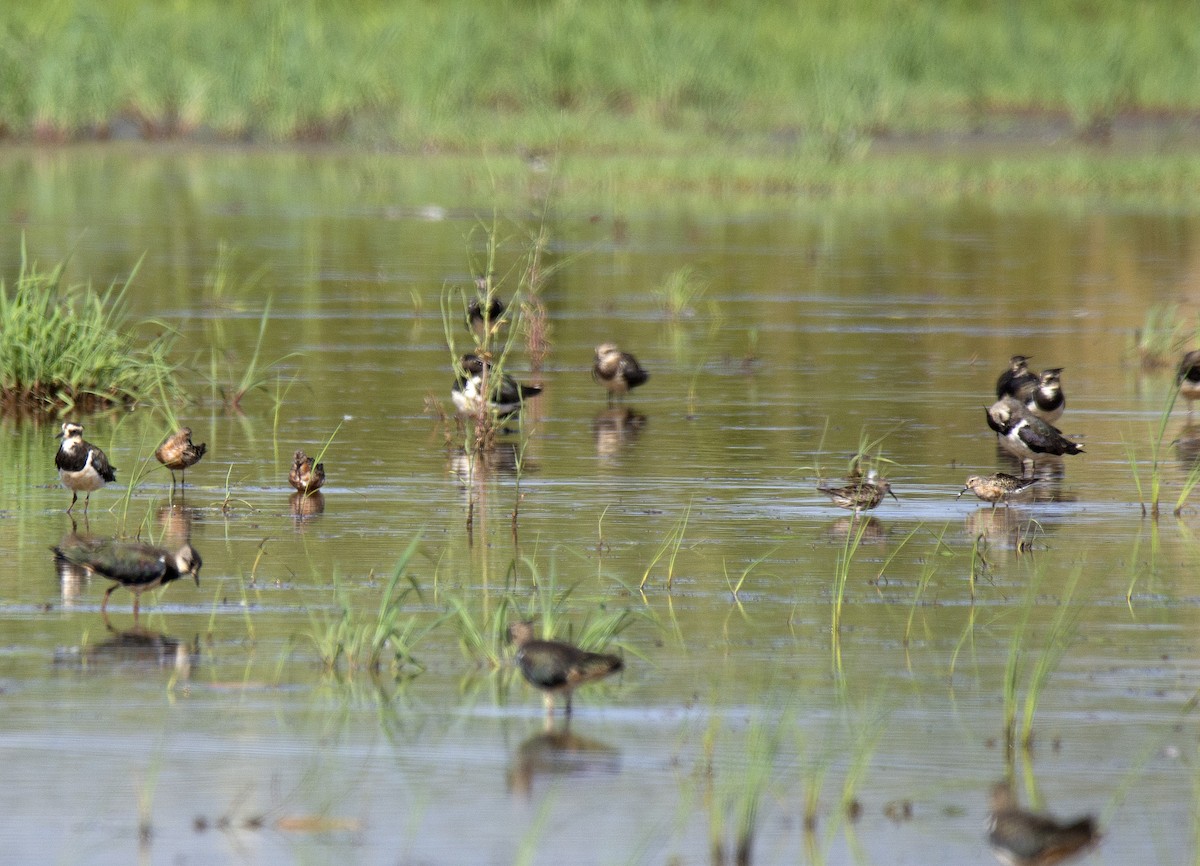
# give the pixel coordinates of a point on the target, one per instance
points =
(218, 728)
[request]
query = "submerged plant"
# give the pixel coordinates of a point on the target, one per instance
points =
(71, 348)
(680, 292)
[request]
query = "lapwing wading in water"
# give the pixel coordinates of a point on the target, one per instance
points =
(996, 488)
(556, 667)
(860, 495)
(1188, 378)
(1047, 400)
(1025, 435)
(178, 452)
(132, 564)
(81, 465)
(1021, 838)
(504, 396)
(617, 371)
(1016, 381)
(307, 476)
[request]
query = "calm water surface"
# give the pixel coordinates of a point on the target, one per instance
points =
(217, 727)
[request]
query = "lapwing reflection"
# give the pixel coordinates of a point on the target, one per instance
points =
(615, 428)
(552, 753)
(1022, 838)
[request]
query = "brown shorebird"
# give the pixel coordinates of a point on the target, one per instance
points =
(554, 666)
(81, 465)
(1025, 435)
(132, 564)
(617, 371)
(996, 488)
(1017, 381)
(1188, 378)
(1021, 838)
(860, 495)
(504, 396)
(306, 476)
(178, 452)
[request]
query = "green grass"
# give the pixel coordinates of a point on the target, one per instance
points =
(829, 76)
(71, 348)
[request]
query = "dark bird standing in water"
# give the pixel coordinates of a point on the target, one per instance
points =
(1021, 838)
(178, 452)
(1016, 381)
(504, 395)
(1188, 378)
(1026, 435)
(860, 495)
(132, 564)
(1047, 400)
(81, 465)
(306, 476)
(996, 488)
(617, 371)
(554, 666)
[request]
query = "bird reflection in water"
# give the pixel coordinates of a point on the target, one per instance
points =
(1187, 446)
(615, 428)
(551, 753)
(473, 468)
(175, 524)
(1022, 838)
(136, 646)
(1003, 528)
(306, 506)
(868, 530)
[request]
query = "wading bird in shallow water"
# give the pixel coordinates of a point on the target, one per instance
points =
(1025, 435)
(617, 371)
(306, 476)
(504, 397)
(860, 495)
(132, 564)
(1016, 381)
(1188, 378)
(1021, 838)
(556, 667)
(996, 488)
(1047, 400)
(81, 465)
(178, 452)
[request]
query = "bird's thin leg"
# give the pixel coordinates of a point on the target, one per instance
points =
(104, 604)
(74, 498)
(137, 598)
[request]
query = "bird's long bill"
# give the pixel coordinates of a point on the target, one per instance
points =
(893, 495)
(961, 492)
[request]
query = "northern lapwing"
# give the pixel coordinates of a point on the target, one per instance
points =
(1017, 381)
(485, 313)
(1021, 838)
(1047, 400)
(556, 667)
(996, 488)
(1025, 435)
(132, 564)
(861, 494)
(503, 395)
(617, 371)
(81, 465)
(178, 452)
(1187, 378)
(307, 476)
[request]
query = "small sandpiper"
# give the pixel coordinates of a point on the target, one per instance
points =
(554, 666)
(132, 564)
(506, 396)
(81, 465)
(1188, 378)
(307, 476)
(1025, 435)
(1021, 838)
(996, 488)
(1017, 381)
(178, 452)
(860, 495)
(617, 371)
(1047, 400)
